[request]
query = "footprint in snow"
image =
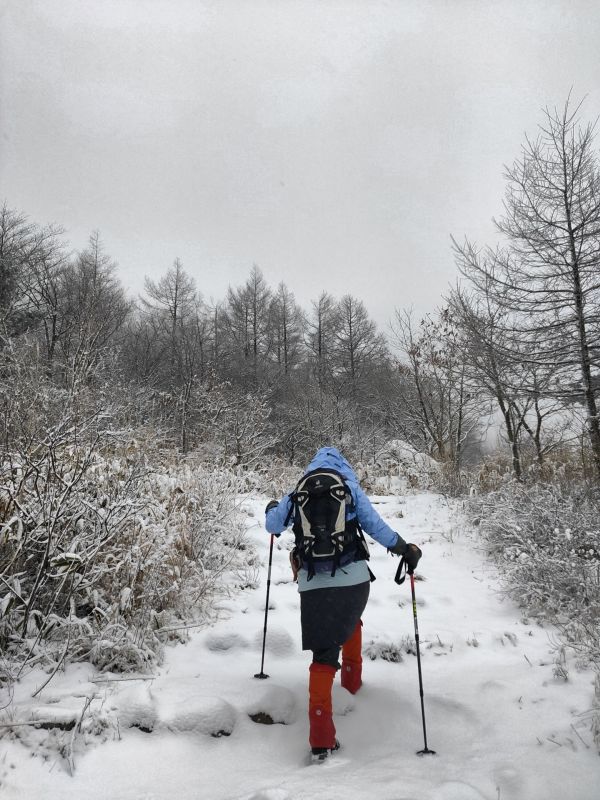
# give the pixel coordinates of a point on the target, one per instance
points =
(451, 710)
(220, 642)
(493, 685)
(507, 637)
(509, 779)
(343, 701)
(279, 642)
(457, 790)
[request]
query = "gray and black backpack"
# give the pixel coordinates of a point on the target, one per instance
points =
(325, 539)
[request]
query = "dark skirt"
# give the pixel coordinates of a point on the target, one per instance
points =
(329, 616)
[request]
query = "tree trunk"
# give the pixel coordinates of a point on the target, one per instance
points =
(586, 371)
(510, 433)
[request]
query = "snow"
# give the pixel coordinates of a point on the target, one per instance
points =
(502, 724)
(401, 459)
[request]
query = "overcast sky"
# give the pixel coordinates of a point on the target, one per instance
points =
(337, 145)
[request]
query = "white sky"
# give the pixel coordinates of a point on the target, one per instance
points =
(335, 144)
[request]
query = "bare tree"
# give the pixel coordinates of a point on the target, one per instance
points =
(178, 324)
(287, 323)
(248, 326)
(358, 345)
(44, 289)
(490, 368)
(95, 309)
(171, 304)
(437, 408)
(547, 280)
(17, 240)
(320, 335)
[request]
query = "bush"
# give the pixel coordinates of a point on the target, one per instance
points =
(101, 555)
(546, 540)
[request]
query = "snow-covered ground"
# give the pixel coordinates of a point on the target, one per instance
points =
(503, 725)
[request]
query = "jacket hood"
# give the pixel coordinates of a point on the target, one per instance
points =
(331, 458)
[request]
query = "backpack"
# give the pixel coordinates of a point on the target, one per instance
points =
(325, 539)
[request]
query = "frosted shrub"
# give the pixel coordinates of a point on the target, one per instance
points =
(401, 459)
(548, 543)
(274, 479)
(99, 553)
(546, 540)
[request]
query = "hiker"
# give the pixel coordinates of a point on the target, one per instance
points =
(328, 510)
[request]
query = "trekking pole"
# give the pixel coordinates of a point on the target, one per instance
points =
(400, 579)
(262, 674)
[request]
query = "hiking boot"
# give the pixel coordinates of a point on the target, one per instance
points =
(319, 754)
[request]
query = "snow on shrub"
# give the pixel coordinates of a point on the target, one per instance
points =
(546, 540)
(548, 543)
(389, 650)
(400, 460)
(103, 557)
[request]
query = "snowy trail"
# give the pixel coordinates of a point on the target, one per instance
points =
(502, 725)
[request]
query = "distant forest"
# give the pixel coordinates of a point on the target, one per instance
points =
(256, 376)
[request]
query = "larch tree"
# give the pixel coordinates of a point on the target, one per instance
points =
(247, 321)
(95, 309)
(358, 345)
(174, 312)
(547, 279)
(520, 390)
(287, 323)
(320, 336)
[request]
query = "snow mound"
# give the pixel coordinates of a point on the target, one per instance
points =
(400, 458)
(210, 716)
(220, 642)
(279, 642)
(136, 708)
(277, 703)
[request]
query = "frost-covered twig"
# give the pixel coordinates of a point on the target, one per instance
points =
(57, 666)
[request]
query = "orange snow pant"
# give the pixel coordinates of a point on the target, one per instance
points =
(320, 712)
(320, 709)
(352, 661)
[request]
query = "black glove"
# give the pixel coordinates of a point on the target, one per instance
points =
(399, 549)
(412, 556)
(271, 504)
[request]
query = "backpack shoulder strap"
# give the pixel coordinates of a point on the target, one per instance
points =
(290, 513)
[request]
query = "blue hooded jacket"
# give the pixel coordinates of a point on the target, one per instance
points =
(369, 519)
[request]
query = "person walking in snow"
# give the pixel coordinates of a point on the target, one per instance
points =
(328, 511)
